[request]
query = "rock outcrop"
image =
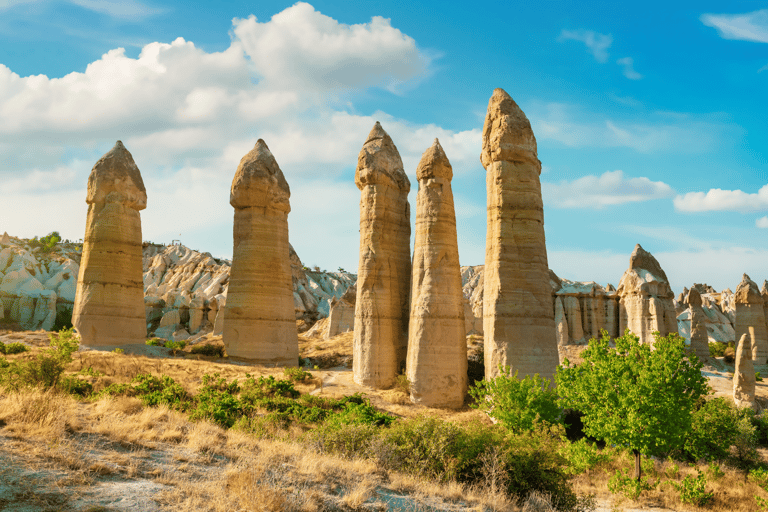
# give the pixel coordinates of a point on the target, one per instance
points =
(699, 336)
(341, 317)
(109, 307)
(437, 346)
(518, 317)
(750, 318)
(744, 374)
(645, 298)
(259, 319)
(384, 271)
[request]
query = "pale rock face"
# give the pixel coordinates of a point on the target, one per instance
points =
(45, 311)
(109, 307)
(744, 375)
(645, 298)
(384, 272)
(518, 317)
(764, 293)
(437, 346)
(5, 239)
(750, 318)
(561, 323)
(573, 314)
(472, 288)
(341, 316)
(699, 337)
(259, 318)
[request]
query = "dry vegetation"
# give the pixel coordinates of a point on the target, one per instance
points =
(115, 453)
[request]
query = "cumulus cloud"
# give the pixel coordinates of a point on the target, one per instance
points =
(597, 44)
(762, 222)
(722, 200)
(752, 26)
(629, 70)
(609, 189)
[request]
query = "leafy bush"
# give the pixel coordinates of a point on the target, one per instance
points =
(46, 368)
(345, 439)
(692, 490)
(46, 243)
(519, 404)
(264, 387)
(13, 348)
(208, 350)
(717, 348)
(297, 374)
(164, 390)
(175, 346)
(582, 456)
(75, 386)
(155, 342)
(713, 430)
(629, 487)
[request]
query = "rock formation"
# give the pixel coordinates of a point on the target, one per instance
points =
(744, 374)
(645, 298)
(518, 317)
(259, 320)
(764, 293)
(5, 239)
(341, 317)
(750, 318)
(384, 271)
(109, 307)
(699, 337)
(437, 346)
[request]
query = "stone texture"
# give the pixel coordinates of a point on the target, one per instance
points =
(561, 323)
(744, 374)
(5, 239)
(384, 272)
(645, 298)
(518, 317)
(259, 318)
(764, 293)
(437, 346)
(750, 318)
(699, 337)
(573, 314)
(109, 305)
(341, 317)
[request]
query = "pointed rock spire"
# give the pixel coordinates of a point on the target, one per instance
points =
(259, 181)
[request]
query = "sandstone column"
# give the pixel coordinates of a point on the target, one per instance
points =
(109, 306)
(750, 318)
(518, 318)
(699, 337)
(437, 346)
(259, 318)
(384, 273)
(744, 375)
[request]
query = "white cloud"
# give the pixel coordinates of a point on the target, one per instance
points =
(656, 132)
(722, 200)
(764, 68)
(629, 70)
(125, 10)
(762, 222)
(752, 26)
(596, 43)
(609, 189)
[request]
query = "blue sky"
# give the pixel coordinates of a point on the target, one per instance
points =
(649, 117)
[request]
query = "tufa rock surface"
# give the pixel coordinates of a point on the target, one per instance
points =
(646, 301)
(384, 272)
(259, 319)
(109, 304)
(437, 346)
(518, 314)
(750, 318)
(699, 336)
(744, 375)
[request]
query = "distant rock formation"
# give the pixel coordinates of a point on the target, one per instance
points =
(518, 317)
(645, 298)
(384, 273)
(259, 319)
(699, 337)
(437, 346)
(764, 293)
(109, 307)
(744, 374)
(718, 325)
(341, 317)
(472, 289)
(750, 318)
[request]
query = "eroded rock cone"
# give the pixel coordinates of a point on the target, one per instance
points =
(699, 337)
(750, 318)
(646, 301)
(384, 272)
(518, 317)
(437, 346)
(744, 375)
(109, 304)
(259, 318)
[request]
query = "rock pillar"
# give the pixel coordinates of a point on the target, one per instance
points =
(259, 319)
(744, 374)
(109, 303)
(384, 272)
(437, 346)
(750, 318)
(699, 337)
(518, 317)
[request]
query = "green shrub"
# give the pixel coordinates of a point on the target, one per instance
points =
(164, 390)
(717, 348)
(155, 342)
(348, 440)
(46, 368)
(758, 378)
(175, 346)
(297, 374)
(582, 456)
(14, 348)
(268, 387)
(519, 404)
(208, 350)
(75, 386)
(629, 487)
(713, 430)
(692, 490)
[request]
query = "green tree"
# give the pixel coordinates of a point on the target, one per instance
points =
(635, 395)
